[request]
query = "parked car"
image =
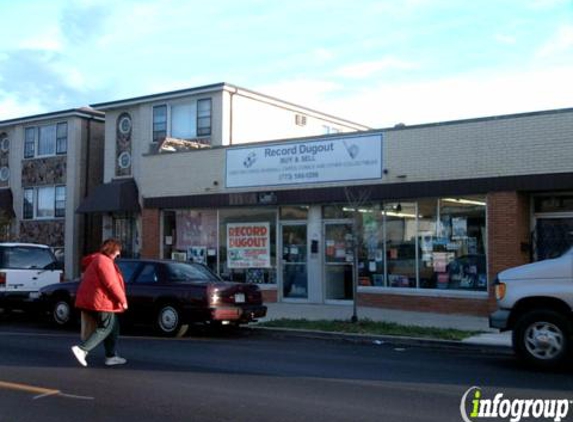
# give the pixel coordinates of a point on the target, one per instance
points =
(169, 295)
(24, 269)
(535, 301)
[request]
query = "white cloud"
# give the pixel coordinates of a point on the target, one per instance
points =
(367, 69)
(470, 95)
(546, 4)
(561, 42)
(11, 107)
(505, 39)
(49, 39)
(306, 92)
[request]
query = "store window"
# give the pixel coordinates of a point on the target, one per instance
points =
(247, 239)
(400, 241)
(196, 237)
(425, 244)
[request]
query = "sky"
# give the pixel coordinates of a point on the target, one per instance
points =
(374, 62)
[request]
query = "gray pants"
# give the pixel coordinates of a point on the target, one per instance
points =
(107, 331)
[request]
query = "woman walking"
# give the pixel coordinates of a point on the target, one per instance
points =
(102, 294)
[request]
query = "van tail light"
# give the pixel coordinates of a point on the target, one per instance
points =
(62, 277)
(2, 279)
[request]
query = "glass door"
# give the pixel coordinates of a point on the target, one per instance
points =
(338, 260)
(294, 261)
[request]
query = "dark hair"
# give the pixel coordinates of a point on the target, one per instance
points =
(109, 246)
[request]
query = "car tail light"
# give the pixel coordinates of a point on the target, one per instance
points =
(213, 295)
(2, 279)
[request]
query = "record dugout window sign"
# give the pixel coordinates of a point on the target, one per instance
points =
(123, 145)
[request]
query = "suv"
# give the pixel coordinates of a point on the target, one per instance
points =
(536, 302)
(24, 269)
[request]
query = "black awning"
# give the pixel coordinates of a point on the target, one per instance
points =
(116, 196)
(6, 202)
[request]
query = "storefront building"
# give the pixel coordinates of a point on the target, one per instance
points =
(197, 119)
(425, 216)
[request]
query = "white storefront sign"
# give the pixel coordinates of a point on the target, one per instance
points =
(331, 160)
(248, 245)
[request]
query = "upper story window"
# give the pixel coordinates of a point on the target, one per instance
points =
(329, 129)
(159, 123)
(182, 120)
(204, 117)
(41, 141)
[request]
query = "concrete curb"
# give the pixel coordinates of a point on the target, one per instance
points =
(399, 341)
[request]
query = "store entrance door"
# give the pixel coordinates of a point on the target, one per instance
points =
(294, 261)
(338, 260)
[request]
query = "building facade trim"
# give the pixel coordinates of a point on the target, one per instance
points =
(525, 183)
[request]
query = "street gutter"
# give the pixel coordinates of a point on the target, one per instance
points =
(380, 340)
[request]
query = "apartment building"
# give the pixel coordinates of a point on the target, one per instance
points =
(48, 163)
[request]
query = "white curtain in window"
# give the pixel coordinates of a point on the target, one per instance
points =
(46, 202)
(183, 121)
(47, 141)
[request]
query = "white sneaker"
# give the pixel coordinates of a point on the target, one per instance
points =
(115, 360)
(80, 355)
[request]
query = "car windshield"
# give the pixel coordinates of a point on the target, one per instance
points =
(180, 272)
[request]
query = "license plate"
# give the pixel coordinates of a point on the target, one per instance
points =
(34, 295)
(239, 298)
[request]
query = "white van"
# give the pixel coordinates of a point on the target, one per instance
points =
(535, 301)
(24, 269)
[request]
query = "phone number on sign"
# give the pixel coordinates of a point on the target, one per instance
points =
(299, 176)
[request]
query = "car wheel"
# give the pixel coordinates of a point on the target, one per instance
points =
(168, 321)
(542, 338)
(62, 312)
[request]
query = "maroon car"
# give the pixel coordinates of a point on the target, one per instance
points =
(169, 295)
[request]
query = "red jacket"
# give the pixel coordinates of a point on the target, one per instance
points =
(102, 288)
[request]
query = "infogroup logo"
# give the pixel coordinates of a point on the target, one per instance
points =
(474, 407)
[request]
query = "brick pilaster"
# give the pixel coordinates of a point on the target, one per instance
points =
(151, 233)
(508, 231)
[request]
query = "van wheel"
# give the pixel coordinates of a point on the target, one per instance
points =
(542, 338)
(168, 321)
(62, 312)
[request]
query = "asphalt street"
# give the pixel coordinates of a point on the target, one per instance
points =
(251, 376)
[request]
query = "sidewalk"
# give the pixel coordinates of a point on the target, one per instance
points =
(490, 337)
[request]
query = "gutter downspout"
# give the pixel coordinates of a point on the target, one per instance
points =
(231, 94)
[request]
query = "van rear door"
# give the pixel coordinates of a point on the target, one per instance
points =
(27, 268)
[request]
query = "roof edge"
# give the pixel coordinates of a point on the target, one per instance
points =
(145, 98)
(83, 112)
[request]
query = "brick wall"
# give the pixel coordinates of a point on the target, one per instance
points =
(151, 233)
(508, 233)
(269, 296)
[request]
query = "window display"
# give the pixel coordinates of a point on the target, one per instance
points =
(247, 245)
(426, 244)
